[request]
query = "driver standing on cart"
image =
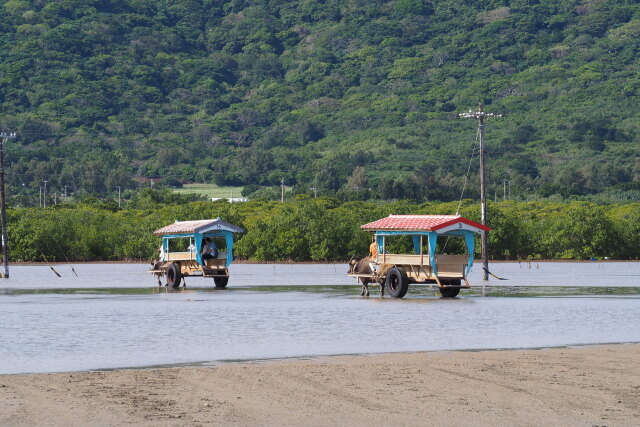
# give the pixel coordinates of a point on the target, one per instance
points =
(373, 250)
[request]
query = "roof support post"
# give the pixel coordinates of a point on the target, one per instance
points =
(199, 239)
(433, 238)
(470, 241)
(384, 250)
(416, 244)
(228, 236)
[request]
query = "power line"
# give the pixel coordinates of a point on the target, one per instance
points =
(466, 177)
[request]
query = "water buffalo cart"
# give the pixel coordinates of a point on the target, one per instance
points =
(411, 249)
(181, 251)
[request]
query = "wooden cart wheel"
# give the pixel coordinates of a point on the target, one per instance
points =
(221, 282)
(450, 292)
(174, 276)
(397, 282)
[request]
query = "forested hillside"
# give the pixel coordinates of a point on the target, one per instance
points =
(352, 97)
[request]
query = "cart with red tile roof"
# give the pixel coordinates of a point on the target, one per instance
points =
(180, 254)
(396, 271)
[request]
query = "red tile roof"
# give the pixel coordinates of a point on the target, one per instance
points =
(419, 223)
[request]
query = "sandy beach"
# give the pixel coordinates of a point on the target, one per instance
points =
(590, 386)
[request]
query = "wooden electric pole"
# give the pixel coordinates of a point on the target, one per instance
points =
(480, 115)
(3, 206)
(44, 194)
(282, 190)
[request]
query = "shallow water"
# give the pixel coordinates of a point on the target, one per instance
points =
(588, 274)
(113, 316)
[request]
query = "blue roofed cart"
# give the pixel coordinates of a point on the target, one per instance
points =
(180, 252)
(396, 271)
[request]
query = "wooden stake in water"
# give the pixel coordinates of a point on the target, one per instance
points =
(50, 266)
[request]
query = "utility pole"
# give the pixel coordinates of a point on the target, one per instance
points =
(504, 188)
(119, 187)
(65, 193)
(480, 115)
(282, 190)
(315, 192)
(44, 194)
(3, 206)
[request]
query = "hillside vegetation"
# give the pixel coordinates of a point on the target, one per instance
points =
(351, 97)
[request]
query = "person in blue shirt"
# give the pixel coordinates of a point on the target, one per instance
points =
(209, 250)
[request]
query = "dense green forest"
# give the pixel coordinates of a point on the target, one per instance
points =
(355, 98)
(319, 229)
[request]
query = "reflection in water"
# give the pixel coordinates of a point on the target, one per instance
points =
(82, 323)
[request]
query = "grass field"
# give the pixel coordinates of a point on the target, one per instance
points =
(210, 190)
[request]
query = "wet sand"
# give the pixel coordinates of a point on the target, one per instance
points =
(590, 386)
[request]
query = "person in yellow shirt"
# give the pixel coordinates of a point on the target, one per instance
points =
(373, 249)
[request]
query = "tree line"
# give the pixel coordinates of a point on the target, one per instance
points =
(316, 229)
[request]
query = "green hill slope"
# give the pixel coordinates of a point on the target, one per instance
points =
(353, 96)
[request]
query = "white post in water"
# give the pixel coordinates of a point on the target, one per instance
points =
(3, 207)
(480, 115)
